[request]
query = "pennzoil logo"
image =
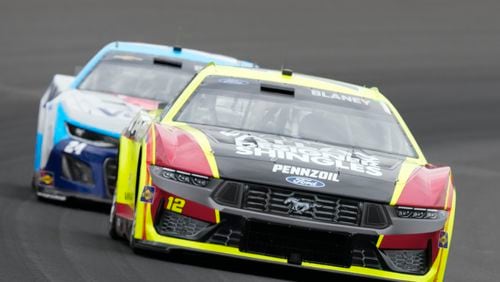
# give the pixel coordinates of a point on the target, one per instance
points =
(443, 239)
(306, 173)
(46, 178)
(148, 194)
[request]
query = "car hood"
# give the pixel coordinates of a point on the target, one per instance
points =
(106, 112)
(304, 165)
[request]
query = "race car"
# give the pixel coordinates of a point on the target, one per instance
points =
(81, 118)
(285, 168)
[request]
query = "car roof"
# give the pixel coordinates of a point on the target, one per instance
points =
(161, 51)
(294, 79)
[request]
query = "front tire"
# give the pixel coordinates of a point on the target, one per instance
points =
(112, 222)
(34, 188)
(33, 183)
(132, 240)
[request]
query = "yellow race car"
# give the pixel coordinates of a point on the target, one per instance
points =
(284, 168)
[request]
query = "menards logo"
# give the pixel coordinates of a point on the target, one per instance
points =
(330, 157)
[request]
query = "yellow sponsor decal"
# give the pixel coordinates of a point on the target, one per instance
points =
(443, 239)
(148, 194)
(46, 178)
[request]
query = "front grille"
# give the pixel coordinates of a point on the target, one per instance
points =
(177, 225)
(297, 244)
(76, 170)
(231, 229)
(110, 175)
(302, 205)
(365, 258)
(228, 232)
(409, 261)
(227, 236)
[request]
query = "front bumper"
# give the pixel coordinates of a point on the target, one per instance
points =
(167, 244)
(215, 228)
(98, 163)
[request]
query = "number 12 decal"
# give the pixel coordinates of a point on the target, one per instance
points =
(175, 204)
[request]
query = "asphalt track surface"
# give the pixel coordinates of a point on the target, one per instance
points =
(438, 61)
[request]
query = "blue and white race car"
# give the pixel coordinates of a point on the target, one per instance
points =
(81, 118)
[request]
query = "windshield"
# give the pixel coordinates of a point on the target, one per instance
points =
(138, 77)
(310, 114)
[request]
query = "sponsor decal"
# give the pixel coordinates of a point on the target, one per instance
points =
(443, 240)
(75, 147)
(295, 206)
(46, 178)
(340, 97)
(127, 58)
(306, 172)
(148, 194)
(304, 181)
(234, 81)
(332, 158)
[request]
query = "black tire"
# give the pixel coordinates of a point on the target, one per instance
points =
(132, 241)
(34, 188)
(112, 222)
(33, 183)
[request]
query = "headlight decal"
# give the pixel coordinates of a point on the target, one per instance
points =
(92, 137)
(417, 213)
(181, 176)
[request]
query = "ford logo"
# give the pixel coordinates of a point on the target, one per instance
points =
(304, 181)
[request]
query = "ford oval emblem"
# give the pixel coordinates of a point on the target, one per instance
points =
(304, 181)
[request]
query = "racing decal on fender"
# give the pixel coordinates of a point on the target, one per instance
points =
(283, 149)
(128, 58)
(307, 172)
(148, 194)
(234, 81)
(75, 147)
(443, 240)
(46, 178)
(304, 181)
